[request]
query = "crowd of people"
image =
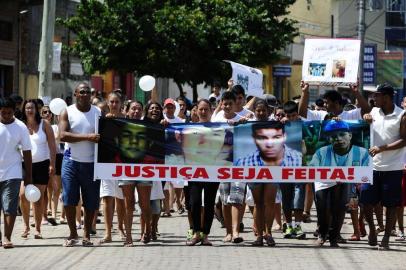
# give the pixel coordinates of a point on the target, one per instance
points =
(56, 154)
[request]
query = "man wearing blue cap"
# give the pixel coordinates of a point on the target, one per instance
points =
(331, 198)
(389, 139)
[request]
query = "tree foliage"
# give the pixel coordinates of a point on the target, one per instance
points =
(181, 39)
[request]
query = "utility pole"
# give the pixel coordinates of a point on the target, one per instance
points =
(361, 37)
(46, 49)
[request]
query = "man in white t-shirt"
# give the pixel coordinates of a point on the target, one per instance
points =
(14, 138)
(388, 123)
(77, 129)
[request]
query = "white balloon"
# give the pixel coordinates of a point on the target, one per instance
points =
(32, 193)
(57, 105)
(147, 83)
(177, 109)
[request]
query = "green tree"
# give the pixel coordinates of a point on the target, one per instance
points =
(184, 40)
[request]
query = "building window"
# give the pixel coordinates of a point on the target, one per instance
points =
(6, 31)
(395, 19)
(395, 5)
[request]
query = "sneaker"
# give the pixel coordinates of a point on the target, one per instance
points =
(400, 237)
(299, 233)
(189, 234)
(289, 233)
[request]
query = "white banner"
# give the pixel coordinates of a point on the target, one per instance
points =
(56, 59)
(152, 172)
(331, 61)
(249, 78)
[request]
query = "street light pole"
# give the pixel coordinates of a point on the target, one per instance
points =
(46, 49)
(361, 37)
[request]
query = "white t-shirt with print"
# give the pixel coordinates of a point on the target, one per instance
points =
(14, 138)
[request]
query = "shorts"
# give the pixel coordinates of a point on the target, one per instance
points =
(249, 199)
(110, 188)
(40, 172)
(9, 194)
(386, 188)
(174, 184)
(58, 164)
(77, 177)
(155, 207)
(134, 182)
(232, 193)
(293, 196)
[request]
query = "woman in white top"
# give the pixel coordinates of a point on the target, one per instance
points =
(54, 185)
(109, 189)
(43, 163)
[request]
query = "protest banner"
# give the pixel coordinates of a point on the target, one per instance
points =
(330, 61)
(217, 152)
(249, 78)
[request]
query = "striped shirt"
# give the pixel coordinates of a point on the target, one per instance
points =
(291, 158)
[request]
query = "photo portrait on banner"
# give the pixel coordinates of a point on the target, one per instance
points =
(337, 143)
(130, 141)
(264, 143)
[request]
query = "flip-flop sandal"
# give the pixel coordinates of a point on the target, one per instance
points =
(227, 239)
(105, 240)
(8, 245)
(25, 235)
(52, 221)
(87, 243)
(38, 236)
(70, 242)
(128, 244)
(237, 240)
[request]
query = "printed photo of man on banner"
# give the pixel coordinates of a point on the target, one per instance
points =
(338, 144)
(271, 144)
(131, 142)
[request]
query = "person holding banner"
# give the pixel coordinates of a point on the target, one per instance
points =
(195, 140)
(264, 194)
(232, 194)
(335, 109)
(136, 144)
(78, 130)
(331, 199)
(110, 192)
(293, 194)
(389, 139)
